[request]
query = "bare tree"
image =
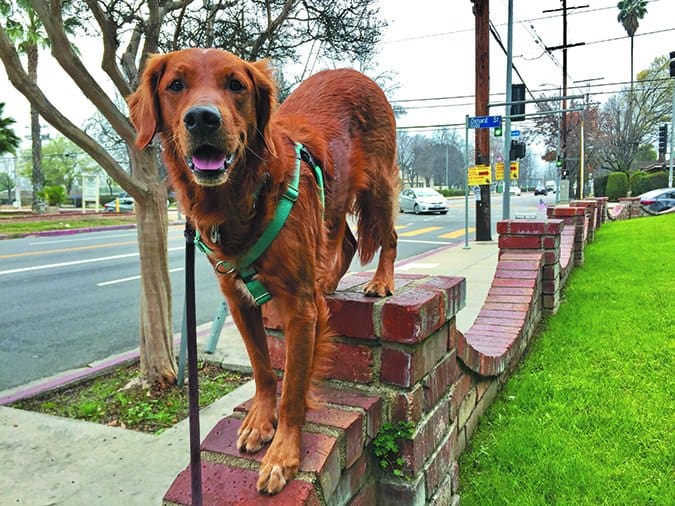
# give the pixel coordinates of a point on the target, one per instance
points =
(130, 31)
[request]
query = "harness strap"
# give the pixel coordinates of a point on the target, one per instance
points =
(243, 265)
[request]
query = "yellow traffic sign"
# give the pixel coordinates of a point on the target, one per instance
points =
(479, 175)
(499, 170)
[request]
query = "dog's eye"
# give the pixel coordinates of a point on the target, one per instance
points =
(176, 85)
(235, 85)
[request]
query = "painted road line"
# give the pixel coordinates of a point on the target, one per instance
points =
(417, 241)
(79, 248)
(75, 262)
(82, 237)
(130, 278)
(456, 233)
(419, 231)
(399, 227)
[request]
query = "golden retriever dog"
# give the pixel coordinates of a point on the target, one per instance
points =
(232, 156)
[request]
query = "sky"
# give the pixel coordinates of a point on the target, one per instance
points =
(429, 45)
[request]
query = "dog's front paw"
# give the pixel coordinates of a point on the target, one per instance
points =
(280, 464)
(258, 427)
(378, 288)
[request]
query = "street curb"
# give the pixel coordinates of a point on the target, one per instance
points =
(67, 231)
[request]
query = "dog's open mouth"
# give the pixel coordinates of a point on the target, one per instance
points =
(209, 162)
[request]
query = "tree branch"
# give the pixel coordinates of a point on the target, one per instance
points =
(71, 63)
(109, 46)
(19, 78)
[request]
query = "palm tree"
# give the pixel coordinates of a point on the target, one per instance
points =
(630, 14)
(9, 141)
(26, 30)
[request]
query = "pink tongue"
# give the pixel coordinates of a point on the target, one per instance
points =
(208, 163)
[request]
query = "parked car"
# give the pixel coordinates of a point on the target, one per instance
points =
(540, 190)
(514, 190)
(658, 200)
(126, 205)
(422, 200)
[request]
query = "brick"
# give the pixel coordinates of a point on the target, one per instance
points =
(318, 452)
(528, 227)
(351, 423)
(277, 350)
(425, 440)
(437, 382)
(411, 316)
(408, 406)
(451, 288)
(519, 242)
(372, 405)
(511, 274)
(466, 407)
(406, 365)
(443, 495)
(352, 480)
(223, 485)
(400, 492)
(367, 496)
(351, 282)
(518, 299)
(353, 362)
(515, 283)
(437, 468)
(351, 314)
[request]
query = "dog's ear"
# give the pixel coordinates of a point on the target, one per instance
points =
(266, 98)
(144, 111)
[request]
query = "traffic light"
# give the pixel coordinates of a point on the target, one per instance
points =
(559, 161)
(517, 95)
(517, 150)
(663, 139)
(672, 64)
(498, 131)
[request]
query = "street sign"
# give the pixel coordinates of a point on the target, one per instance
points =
(479, 175)
(485, 121)
(499, 170)
(515, 133)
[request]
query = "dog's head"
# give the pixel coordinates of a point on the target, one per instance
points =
(208, 104)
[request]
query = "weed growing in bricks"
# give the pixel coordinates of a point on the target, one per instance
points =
(386, 446)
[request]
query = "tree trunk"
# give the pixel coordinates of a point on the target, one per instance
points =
(158, 364)
(39, 205)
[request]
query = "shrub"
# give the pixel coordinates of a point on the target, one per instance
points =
(642, 182)
(451, 192)
(600, 186)
(53, 195)
(617, 186)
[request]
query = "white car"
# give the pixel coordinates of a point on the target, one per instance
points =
(514, 190)
(422, 200)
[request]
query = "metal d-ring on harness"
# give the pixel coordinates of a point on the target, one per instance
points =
(243, 266)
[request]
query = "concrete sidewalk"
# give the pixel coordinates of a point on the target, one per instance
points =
(49, 460)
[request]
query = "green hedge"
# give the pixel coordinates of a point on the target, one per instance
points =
(641, 182)
(617, 186)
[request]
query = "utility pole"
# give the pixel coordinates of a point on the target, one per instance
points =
(564, 46)
(481, 11)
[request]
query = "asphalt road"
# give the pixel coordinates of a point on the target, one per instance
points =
(69, 300)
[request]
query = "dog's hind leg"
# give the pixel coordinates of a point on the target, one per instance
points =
(340, 252)
(376, 228)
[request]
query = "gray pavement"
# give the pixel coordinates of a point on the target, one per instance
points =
(49, 460)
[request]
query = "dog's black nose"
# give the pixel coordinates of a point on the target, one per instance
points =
(202, 120)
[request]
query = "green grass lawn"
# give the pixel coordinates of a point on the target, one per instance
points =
(17, 227)
(588, 418)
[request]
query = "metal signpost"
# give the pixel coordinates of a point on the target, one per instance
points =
(480, 174)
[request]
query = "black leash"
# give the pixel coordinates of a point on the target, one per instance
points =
(193, 385)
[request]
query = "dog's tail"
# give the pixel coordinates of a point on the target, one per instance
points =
(324, 351)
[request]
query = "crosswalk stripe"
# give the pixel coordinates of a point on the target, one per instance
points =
(419, 231)
(456, 233)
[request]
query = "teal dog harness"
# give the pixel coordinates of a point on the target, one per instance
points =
(243, 266)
